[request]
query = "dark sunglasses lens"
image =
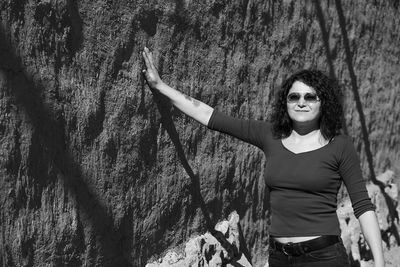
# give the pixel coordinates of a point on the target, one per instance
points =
(311, 97)
(293, 97)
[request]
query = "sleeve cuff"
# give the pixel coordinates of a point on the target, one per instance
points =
(360, 210)
(210, 124)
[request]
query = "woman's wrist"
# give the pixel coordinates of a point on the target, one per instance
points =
(159, 86)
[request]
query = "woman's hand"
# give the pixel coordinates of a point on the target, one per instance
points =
(150, 73)
(188, 105)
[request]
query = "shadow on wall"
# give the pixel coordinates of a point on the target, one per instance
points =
(234, 254)
(329, 58)
(49, 129)
(50, 133)
(389, 202)
(394, 216)
(109, 245)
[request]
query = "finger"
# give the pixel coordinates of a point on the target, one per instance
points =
(145, 56)
(146, 60)
(151, 60)
(148, 53)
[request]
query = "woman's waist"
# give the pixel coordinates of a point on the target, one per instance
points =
(293, 239)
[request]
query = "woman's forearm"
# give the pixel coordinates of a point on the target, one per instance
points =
(370, 228)
(196, 109)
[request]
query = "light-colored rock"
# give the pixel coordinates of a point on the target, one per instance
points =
(350, 227)
(205, 250)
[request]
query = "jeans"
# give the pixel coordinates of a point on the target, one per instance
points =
(331, 256)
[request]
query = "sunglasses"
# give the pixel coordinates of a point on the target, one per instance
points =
(308, 97)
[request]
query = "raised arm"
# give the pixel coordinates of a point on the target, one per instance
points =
(196, 109)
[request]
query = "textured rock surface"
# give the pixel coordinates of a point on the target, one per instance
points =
(351, 233)
(93, 174)
(206, 250)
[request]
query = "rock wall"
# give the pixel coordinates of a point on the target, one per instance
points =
(96, 170)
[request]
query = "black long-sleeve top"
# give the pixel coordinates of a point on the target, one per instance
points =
(304, 186)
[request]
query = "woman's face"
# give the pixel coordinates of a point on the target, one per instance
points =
(303, 104)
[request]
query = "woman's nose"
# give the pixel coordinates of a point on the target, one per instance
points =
(301, 102)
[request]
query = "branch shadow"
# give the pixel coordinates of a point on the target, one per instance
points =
(163, 106)
(329, 58)
(389, 202)
(27, 92)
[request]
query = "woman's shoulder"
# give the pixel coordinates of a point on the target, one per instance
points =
(343, 139)
(344, 144)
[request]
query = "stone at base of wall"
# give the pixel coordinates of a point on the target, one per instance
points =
(351, 232)
(205, 250)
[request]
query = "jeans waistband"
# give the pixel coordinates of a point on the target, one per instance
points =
(297, 249)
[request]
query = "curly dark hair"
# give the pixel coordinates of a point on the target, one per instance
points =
(328, 91)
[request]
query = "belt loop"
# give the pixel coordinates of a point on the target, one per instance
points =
(289, 245)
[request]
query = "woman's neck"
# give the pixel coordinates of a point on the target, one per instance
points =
(306, 132)
(302, 129)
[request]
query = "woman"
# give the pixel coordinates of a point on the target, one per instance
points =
(307, 160)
